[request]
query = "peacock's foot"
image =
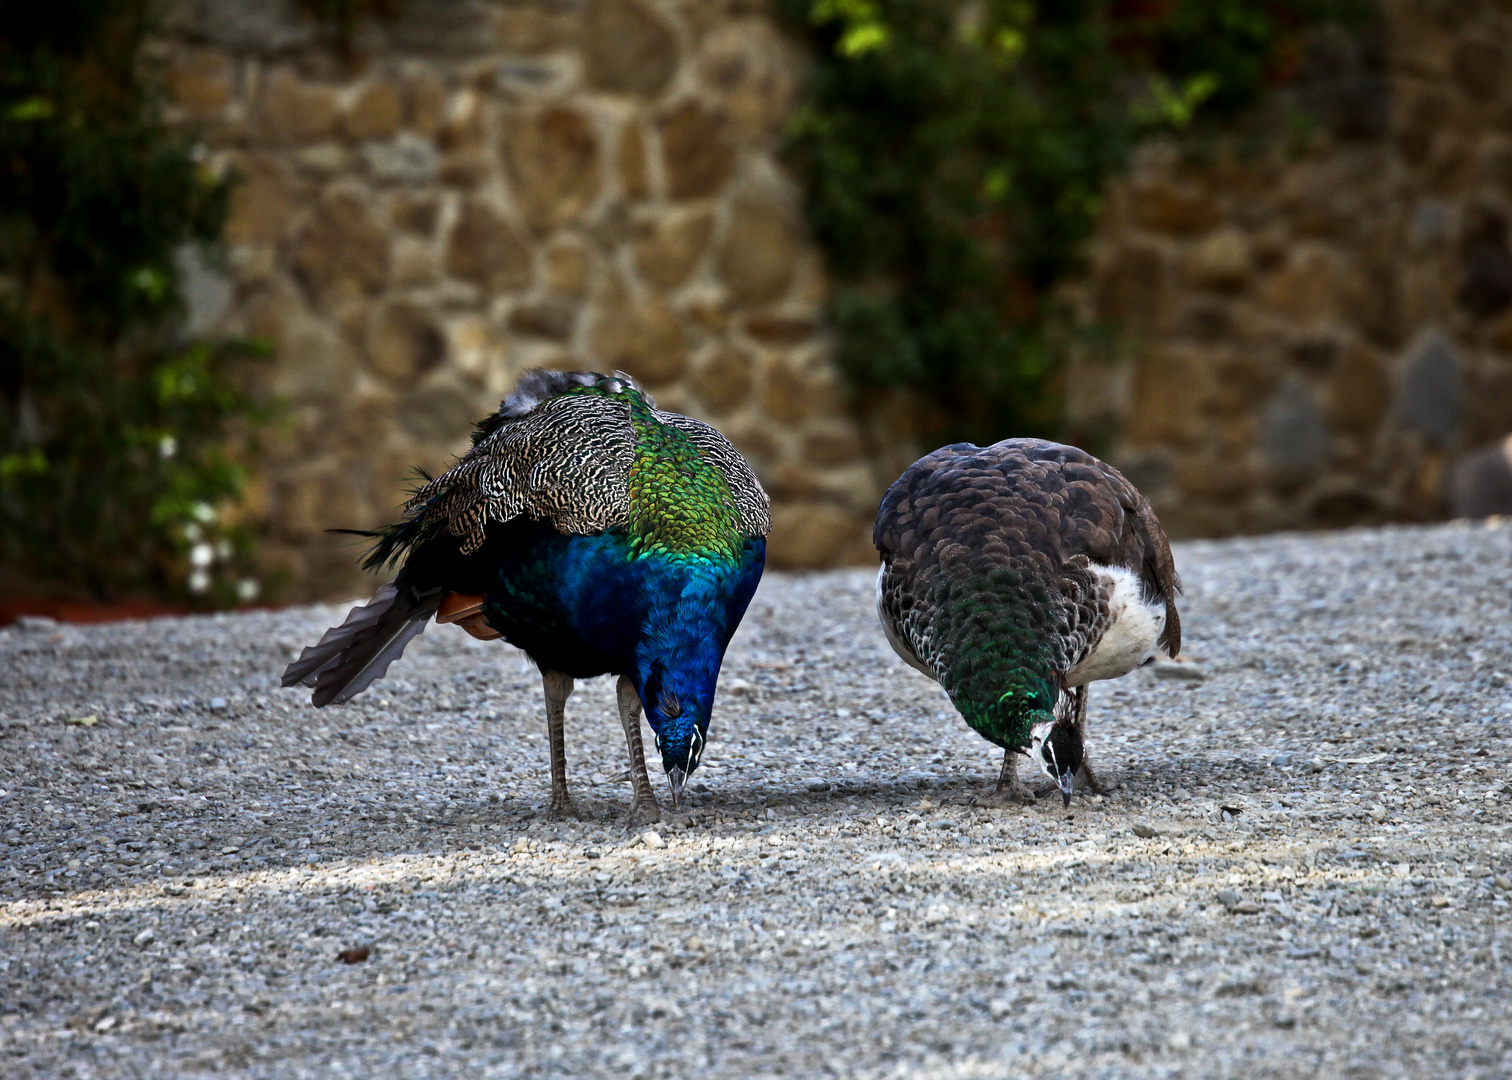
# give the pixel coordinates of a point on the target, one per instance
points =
(644, 813)
(561, 809)
(1086, 780)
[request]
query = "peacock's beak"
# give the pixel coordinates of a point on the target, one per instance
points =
(1067, 781)
(677, 779)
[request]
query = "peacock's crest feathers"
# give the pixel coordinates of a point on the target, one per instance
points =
(589, 452)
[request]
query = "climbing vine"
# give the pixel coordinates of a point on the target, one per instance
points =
(123, 442)
(956, 154)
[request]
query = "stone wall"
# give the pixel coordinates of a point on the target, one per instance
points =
(1314, 336)
(1311, 335)
(476, 188)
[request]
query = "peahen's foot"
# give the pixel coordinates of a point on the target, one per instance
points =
(561, 809)
(1003, 796)
(643, 813)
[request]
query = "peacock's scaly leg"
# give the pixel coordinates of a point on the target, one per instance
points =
(645, 809)
(1010, 791)
(558, 689)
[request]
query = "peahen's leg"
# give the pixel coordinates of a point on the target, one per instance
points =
(1010, 791)
(645, 808)
(1079, 721)
(558, 689)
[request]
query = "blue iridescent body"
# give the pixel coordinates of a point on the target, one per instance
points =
(588, 605)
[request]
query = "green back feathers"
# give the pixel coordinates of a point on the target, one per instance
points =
(680, 505)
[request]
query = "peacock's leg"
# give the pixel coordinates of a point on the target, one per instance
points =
(1079, 721)
(1010, 790)
(558, 689)
(645, 809)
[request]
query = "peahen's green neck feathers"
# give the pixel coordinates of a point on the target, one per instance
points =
(997, 663)
(680, 505)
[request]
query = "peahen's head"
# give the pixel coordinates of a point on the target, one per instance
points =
(1057, 749)
(679, 719)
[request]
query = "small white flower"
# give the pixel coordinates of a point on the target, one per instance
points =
(201, 555)
(223, 550)
(192, 532)
(199, 581)
(248, 589)
(167, 446)
(204, 513)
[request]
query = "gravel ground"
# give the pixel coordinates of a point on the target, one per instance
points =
(1302, 871)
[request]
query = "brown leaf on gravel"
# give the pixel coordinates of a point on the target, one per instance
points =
(353, 956)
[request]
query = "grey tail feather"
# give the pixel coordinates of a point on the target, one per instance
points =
(350, 657)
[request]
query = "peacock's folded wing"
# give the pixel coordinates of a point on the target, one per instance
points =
(565, 461)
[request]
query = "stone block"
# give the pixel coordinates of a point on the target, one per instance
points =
(1478, 68)
(640, 336)
(1171, 385)
(415, 212)
(375, 113)
(780, 329)
(1480, 484)
(405, 343)
(722, 380)
(672, 247)
(294, 111)
(413, 262)
(1303, 289)
(1358, 393)
(567, 267)
(759, 250)
(441, 415)
(833, 444)
(405, 159)
(537, 28)
(1294, 439)
(1220, 260)
(553, 157)
(483, 248)
(425, 105)
(698, 152)
(261, 204)
(1169, 208)
(751, 69)
(812, 535)
(443, 28)
(787, 394)
(634, 181)
(1431, 394)
(341, 243)
(1131, 288)
(627, 48)
(550, 319)
(200, 82)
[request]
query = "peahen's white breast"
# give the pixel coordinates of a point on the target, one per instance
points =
(1133, 632)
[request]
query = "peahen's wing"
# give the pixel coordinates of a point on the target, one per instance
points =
(1103, 516)
(565, 461)
(751, 500)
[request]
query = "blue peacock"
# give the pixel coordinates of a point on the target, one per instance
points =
(596, 533)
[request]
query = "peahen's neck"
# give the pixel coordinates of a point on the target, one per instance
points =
(996, 660)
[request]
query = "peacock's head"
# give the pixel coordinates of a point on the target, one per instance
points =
(680, 725)
(1057, 749)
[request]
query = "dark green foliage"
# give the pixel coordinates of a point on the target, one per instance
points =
(115, 466)
(956, 155)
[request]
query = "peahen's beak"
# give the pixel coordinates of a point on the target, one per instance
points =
(1067, 782)
(678, 779)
